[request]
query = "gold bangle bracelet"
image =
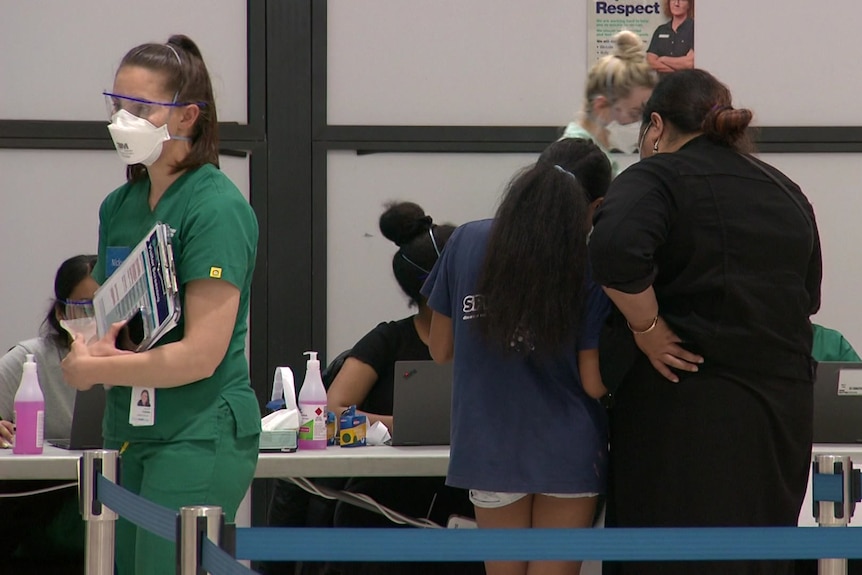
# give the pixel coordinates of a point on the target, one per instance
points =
(647, 330)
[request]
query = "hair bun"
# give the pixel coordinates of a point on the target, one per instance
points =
(186, 44)
(403, 221)
(628, 46)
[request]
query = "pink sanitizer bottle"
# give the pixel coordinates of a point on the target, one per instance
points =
(312, 406)
(29, 412)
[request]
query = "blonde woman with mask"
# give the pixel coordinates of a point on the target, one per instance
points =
(617, 87)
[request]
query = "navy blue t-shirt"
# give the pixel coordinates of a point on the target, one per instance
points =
(519, 424)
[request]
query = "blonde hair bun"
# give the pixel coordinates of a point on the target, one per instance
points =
(629, 47)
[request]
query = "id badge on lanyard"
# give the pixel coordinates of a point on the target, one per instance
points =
(142, 407)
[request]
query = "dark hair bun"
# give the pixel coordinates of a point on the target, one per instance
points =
(403, 221)
(186, 44)
(726, 124)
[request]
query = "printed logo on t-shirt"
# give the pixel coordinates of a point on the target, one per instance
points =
(473, 306)
(215, 272)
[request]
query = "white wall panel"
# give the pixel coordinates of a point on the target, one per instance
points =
(49, 211)
(57, 56)
(516, 63)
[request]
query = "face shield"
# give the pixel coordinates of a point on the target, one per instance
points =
(79, 316)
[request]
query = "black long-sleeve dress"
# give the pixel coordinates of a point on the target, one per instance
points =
(735, 264)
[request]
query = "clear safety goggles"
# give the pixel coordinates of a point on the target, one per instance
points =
(78, 309)
(139, 107)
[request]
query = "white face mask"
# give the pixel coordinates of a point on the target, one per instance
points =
(137, 141)
(86, 326)
(623, 137)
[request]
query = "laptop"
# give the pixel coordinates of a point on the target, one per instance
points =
(86, 432)
(422, 403)
(838, 402)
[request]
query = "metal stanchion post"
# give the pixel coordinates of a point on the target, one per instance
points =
(195, 522)
(834, 513)
(100, 521)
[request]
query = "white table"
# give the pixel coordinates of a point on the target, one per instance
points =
(54, 463)
(374, 461)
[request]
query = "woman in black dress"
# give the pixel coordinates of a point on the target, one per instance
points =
(713, 258)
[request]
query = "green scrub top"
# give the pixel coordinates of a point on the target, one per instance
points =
(830, 345)
(215, 236)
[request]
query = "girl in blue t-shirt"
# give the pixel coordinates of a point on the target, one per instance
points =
(514, 305)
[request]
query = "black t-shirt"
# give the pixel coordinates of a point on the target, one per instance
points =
(380, 348)
(669, 42)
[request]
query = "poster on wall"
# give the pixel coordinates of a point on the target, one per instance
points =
(665, 26)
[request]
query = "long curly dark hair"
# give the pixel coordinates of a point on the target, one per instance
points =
(532, 279)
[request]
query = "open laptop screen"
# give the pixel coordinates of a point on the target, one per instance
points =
(838, 402)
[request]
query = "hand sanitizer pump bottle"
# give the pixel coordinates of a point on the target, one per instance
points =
(29, 412)
(312, 406)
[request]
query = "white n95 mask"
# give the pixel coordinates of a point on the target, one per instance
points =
(623, 137)
(137, 140)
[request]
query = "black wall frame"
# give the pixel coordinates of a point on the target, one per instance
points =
(287, 139)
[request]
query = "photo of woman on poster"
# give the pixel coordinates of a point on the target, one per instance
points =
(672, 45)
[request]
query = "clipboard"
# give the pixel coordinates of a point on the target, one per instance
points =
(143, 292)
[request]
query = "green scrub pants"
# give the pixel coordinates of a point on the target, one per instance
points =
(176, 474)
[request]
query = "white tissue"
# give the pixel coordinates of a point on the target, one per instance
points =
(281, 419)
(282, 386)
(377, 434)
(287, 418)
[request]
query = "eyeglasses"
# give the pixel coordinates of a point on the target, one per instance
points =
(140, 107)
(78, 309)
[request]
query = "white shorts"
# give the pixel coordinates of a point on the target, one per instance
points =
(495, 499)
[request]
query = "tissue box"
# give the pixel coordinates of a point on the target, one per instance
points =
(278, 440)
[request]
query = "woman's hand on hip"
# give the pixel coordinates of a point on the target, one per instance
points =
(661, 345)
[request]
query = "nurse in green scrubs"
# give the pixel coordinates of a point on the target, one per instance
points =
(197, 441)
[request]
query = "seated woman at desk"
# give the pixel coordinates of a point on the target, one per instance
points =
(55, 512)
(366, 379)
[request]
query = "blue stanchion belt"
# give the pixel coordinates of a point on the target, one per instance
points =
(163, 522)
(654, 544)
(827, 488)
(618, 544)
(216, 561)
(143, 513)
